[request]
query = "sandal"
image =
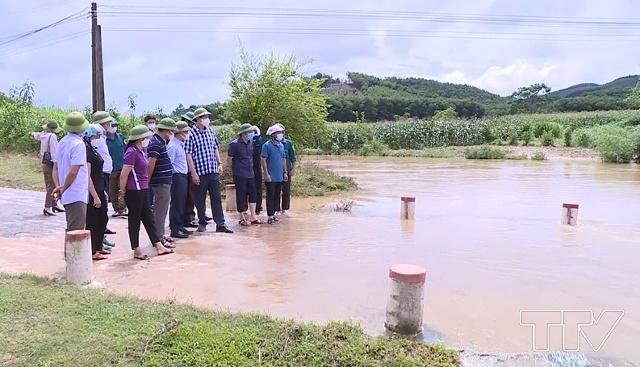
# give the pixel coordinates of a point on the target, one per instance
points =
(104, 251)
(98, 256)
(243, 223)
(257, 221)
(141, 257)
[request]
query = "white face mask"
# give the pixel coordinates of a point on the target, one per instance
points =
(112, 129)
(95, 143)
(279, 137)
(152, 126)
(206, 121)
(145, 143)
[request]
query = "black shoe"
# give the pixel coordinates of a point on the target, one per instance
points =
(58, 209)
(191, 225)
(47, 213)
(179, 235)
(223, 229)
(209, 219)
(186, 231)
(108, 231)
(202, 228)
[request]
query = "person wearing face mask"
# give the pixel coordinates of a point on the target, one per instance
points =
(205, 167)
(274, 170)
(190, 209)
(150, 121)
(103, 119)
(116, 144)
(290, 156)
(257, 167)
(161, 174)
(134, 190)
(179, 182)
(97, 206)
(240, 157)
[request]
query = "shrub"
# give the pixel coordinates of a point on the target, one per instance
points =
(568, 133)
(374, 147)
(539, 156)
(550, 128)
(547, 139)
(583, 138)
(616, 144)
(484, 152)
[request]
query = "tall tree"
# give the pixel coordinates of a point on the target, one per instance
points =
(266, 90)
(534, 98)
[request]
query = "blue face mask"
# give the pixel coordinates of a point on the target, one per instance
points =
(250, 135)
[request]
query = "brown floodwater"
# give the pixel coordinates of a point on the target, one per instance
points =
(488, 233)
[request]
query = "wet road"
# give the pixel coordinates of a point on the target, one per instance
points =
(487, 232)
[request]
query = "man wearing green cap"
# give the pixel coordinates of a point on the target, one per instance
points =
(161, 174)
(70, 172)
(203, 157)
(179, 182)
(240, 156)
(48, 145)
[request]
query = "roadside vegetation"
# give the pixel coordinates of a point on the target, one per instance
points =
(49, 323)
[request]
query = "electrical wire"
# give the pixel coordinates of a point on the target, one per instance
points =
(70, 18)
(65, 38)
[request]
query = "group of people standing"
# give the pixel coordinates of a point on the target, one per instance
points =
(163, 168)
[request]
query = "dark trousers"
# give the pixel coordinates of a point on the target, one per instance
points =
(209, 184)
(274, 189)
(257, 171)
(245, 189)
(179, 190)
(140, 212)
(47, 171)
(97, 219)
(286, 194)
(105, 177)
(190, 209)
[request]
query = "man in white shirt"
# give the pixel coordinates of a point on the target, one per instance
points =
(70, 173)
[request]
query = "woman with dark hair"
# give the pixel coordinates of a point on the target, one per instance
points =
(48, 145)
(134, 190)
(97, 207)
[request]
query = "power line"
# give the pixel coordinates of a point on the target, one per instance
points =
(65, 38)
(73, 17)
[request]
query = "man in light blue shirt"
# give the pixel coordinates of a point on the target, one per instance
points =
(70, 174)
(180, 181)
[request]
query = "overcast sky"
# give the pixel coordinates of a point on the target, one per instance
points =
(168, 68)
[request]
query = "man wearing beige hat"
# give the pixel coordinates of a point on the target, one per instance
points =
(205, 167)
(70, 174)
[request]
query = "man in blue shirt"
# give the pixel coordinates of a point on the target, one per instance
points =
(274, 168)
(179, 182)
(116, 144)
(160, 175)
(240, 154)
(290, 157)
(257, 167)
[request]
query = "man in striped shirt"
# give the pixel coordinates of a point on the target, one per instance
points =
(205, 167)
(161, 173)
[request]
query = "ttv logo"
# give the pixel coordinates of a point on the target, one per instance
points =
(572, 324)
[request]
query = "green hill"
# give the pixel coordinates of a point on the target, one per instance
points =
(617, 87)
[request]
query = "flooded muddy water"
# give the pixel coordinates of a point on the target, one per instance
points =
(488, 233)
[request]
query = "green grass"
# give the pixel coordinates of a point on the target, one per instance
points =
(22, 171)
(485, 152)
(313, 180)
(48, 323)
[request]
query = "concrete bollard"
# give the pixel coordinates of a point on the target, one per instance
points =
(230, 191)
(406, 299)
(77, 254)
(569, 214)
(407, 207)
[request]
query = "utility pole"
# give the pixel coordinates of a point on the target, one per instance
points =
(97, 78)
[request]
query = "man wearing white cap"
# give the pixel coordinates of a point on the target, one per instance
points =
(274, 168)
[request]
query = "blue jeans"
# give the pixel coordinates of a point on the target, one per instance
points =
(179, 190)
(209, 184)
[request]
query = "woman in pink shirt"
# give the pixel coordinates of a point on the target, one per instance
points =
(134, 190)
(48, 144)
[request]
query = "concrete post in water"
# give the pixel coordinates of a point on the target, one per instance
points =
(77, 254)
(230, 191)
(407, 207)
(569, 214)
(406, 299)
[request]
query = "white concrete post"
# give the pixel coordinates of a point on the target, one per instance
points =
(230, 200)
(406, 299)
(77, 253)
(407, 208)
(569, 214)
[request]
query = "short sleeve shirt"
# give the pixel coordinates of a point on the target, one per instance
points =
(73, 152)
(241, 154)
(138, 178)
(175, 150)
(289, 153)
(273, 152)
(163, 170)
(202, 145)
